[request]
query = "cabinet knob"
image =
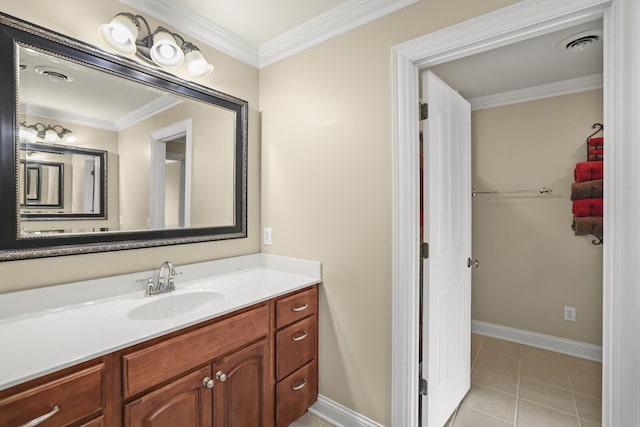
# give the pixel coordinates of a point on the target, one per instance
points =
(299, 308)
(300, 337)
(221, 376)
(299, 386)
(208, 382)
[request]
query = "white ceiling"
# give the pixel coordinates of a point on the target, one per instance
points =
(530, 63)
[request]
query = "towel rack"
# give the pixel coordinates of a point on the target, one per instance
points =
(543, 191)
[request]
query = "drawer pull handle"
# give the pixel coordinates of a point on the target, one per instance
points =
(299, 387)
(300, 308)
(208, 382)
(300, 337)
(42, 418)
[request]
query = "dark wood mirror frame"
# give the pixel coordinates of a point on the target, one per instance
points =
(14, 246)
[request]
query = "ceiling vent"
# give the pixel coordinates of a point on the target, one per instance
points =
(54, 74)
(580, 41)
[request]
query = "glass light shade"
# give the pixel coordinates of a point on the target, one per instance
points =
(28, 133)
(51, 135)
(197, 65)
(121, 33)
(165, 51)
(70, 138)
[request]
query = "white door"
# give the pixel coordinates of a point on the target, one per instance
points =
(446, 338)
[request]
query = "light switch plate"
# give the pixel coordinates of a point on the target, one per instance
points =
(266, 236)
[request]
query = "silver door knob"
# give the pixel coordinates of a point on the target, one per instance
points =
(472, 263)
(208, 382)
(221, 376)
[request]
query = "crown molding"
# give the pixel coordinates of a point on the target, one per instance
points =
(332, 23)
(154, 107)
(565, 87)
(196, 26)
(339, 20)
(76, 119)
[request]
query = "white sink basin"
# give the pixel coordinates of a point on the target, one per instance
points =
(173, 305)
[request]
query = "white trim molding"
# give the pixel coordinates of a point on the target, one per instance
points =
(520, 21)
(339, 20)
(338, 415)
(535, 339)
(550, 90)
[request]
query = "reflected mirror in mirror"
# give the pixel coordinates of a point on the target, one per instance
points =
(171, 159)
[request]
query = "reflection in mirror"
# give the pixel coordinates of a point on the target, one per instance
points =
(177, 151)
(156, 180)
(71, 183)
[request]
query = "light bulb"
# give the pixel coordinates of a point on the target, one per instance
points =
(197, 65)
(121, 33)
(165, 51)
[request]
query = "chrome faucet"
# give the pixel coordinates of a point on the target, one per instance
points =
(163, 282)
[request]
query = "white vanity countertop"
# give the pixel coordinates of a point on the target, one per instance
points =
(37, 339)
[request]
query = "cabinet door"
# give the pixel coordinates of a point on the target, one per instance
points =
(243, 393)
(183, 403)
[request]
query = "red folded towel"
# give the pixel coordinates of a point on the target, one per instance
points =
(586, 171)
(596, 158)
(595, 152)
(596, 140)
(587, 225)
(587, 207)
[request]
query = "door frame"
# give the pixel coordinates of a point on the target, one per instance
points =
(523, 20)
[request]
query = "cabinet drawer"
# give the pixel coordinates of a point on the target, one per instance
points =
(98, 422)
(152, 365)
(296, 393)
(295, 307)
(296, 345)
(76, 396)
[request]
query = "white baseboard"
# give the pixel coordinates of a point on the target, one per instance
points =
(338, 415)
(534, 339)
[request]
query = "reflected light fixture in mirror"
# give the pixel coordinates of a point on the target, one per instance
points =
(162, 47)
(46, 133)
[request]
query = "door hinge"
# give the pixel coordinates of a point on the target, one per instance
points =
(424, 386)
(424, 250)
(424, 111)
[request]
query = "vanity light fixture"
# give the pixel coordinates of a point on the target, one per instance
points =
(46, 133)
(161, 48)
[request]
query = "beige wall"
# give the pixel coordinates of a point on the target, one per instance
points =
(80, 19)
(326, 190)
(531, 263)
(212, 196)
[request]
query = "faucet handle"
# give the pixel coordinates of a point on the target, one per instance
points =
(150, 284)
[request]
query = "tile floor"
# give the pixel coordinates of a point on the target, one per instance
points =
(515, 385)
(522, 386)
(310, 420)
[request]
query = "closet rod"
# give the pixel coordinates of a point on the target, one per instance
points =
(544, 191)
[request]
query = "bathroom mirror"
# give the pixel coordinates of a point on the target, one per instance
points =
(61, 183)
(99, 152)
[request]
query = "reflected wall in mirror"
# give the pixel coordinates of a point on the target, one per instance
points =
(71, 184)
(177, 151)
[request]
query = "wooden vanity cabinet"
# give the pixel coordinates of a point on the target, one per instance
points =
(296, 354)
(256, 367)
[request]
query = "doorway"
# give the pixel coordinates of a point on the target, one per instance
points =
(493, 30)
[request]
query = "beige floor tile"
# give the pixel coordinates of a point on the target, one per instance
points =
(490, 402)
(555, 375)
(589, 386)
(476, 342)
(468, 417)
(589, 409)
(500, 346)
(498, 360)
(308, 420)
(542, 357)
(584, 367)
(547, 395)
(532, 415)
(490, 377)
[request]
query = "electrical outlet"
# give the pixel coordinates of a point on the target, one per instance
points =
(266, 236)
(570, 313)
